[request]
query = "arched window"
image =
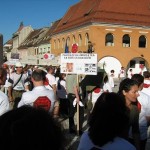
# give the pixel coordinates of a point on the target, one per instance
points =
(80, 40)
(63, 43)
(54, 44)
(35, 51)
(58, 43)
(86, 38)
(126, 40)
(142, 41)
(73, 39)
(109, 40)
(68, 41)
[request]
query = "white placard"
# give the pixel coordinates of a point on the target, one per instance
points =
(79, 63)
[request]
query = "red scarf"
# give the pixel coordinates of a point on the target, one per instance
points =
(146, 85)
(97, 90)
(139, 106)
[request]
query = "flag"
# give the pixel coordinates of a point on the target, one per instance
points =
(66, 48)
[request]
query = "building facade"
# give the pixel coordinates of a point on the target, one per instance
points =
(119, 32)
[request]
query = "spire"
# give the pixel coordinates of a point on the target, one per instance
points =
(21, 26)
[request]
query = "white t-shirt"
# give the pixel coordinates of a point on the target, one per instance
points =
(106, 87)
(146, 90)
(95, 94)
(122, 73)
(29, 97)
(111, 81)
(4, 103)
(22, 82)
(117, 144)
(51, 79)
(144, 100)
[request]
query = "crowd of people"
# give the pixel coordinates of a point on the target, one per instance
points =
(29, 94)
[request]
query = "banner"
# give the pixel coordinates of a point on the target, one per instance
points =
(48, 56)
(15, 56)
(79, 63)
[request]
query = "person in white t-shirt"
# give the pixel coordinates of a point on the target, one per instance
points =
(51, 85)
(130, 73)
(111, 78)
(51, 79)
(144, 116)
(122, 74)
(107, 87)
(4, 102)
(39, 90)
(146, 86)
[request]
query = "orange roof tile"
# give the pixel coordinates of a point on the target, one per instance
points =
(126, 12)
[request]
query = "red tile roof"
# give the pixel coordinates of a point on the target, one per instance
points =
(126, 12)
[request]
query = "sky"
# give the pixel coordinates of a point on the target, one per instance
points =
(37, 13)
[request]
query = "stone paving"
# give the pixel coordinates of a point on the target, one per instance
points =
(72, 140)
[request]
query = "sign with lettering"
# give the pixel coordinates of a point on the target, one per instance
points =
(79, 63)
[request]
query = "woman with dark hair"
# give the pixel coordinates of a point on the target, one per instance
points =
(128, 90)
(108, 125)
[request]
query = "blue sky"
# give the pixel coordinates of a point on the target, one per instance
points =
(37, 13)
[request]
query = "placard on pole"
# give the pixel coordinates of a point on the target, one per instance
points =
(79, 63)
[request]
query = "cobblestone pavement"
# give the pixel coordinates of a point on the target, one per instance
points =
(72, 140)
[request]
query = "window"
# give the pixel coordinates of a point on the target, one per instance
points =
(68, 41)
(41, 50)
(142, 63)
(35, 50)
(55, 44)
(86, 39)
(126, 40)
(44, 50)
(58, 44)
(74, 40)
(109, 40)
(48, 49)
(142, 41)
(63, 43)
(132, 64)
(80, 40)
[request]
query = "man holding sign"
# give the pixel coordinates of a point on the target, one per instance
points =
(74, 97)
(75, 64)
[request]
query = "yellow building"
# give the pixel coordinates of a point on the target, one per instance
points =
(119, 32)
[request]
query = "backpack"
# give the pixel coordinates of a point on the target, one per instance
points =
(42, 102)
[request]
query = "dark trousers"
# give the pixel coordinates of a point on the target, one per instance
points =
(63, 106)
(72, 111)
